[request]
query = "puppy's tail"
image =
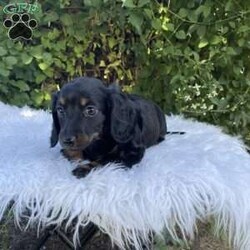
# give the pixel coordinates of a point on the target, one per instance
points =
(176, 133)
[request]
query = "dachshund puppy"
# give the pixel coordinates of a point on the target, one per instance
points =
(103, 124)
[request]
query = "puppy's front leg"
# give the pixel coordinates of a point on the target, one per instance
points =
(83, 169)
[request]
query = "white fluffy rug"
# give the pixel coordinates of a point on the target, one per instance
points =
(204, 173)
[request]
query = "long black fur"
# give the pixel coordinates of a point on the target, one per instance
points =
(127, 124)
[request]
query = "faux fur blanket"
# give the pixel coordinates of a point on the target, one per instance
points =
(203, 173)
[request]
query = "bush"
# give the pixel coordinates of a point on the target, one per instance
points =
(190, 58)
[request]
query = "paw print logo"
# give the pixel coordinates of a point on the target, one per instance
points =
(20, 26)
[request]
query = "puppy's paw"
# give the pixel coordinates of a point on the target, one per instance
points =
(80, 172)
(83, 169)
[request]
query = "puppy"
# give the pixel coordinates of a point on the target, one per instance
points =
(103, 124)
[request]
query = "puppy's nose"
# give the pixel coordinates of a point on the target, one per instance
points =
(69, 141)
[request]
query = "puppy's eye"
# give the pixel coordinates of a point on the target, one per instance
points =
(90, 111)
(60, 110)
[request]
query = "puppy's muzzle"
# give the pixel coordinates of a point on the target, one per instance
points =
(69, 141)
(77, 142)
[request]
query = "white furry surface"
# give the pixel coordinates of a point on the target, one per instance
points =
(187, 177)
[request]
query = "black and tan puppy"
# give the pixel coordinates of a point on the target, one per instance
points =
(103, 124)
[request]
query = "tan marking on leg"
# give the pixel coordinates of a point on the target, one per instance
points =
(89, 165)
(83, 101)
(94, 136)
(62, 101)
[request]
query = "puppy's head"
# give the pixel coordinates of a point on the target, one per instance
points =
(78, 113)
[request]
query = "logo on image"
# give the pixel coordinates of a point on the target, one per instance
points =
(20, 24)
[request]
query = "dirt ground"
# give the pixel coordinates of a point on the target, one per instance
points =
(12, 238)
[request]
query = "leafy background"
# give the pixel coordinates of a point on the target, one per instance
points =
(191, 58)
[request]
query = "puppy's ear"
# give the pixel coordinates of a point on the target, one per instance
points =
(56, 125)
(122, 117)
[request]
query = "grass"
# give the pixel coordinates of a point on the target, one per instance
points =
(4, 232)
(10, 236)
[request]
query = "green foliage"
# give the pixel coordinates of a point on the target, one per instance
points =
(190, 58)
